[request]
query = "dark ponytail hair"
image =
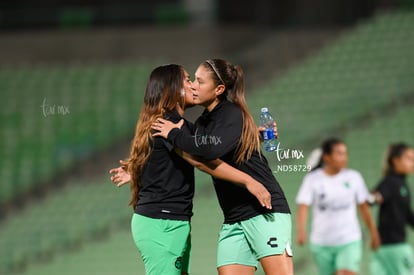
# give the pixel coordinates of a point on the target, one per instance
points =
(394, 151)
(232, 77)
(327, 147)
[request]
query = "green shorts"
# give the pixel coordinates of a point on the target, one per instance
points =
(248, 241)
(393, 259)
(330, 259)
(164, 245)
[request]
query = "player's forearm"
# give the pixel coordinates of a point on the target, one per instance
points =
(367, 217)
(219, 169)
(302, 217)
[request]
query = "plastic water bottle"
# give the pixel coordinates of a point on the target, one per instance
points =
(269, 140)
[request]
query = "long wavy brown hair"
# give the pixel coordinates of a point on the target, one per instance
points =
(162, 94)
(232, 76)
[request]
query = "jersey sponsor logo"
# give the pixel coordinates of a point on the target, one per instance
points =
(272, 242)
(322, 205)
(178, 262)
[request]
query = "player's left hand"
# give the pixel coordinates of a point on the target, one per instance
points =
(275, 132)
(119, 176)
(163, 127)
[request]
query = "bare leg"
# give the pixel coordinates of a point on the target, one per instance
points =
(236, 269)
(344, 272)
(277, 264)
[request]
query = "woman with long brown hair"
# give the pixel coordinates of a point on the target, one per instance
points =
(226, 130)
(162, 181)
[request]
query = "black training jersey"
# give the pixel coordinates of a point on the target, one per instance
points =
(395, 211)
(215, 135)
(167, 181)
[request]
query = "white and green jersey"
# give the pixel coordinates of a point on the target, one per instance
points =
(334, 201)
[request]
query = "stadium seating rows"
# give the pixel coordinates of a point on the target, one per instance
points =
(56, 115)
(362, 72)
(80, 212)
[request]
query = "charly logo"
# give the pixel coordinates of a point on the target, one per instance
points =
(206, 139)
(272, 242)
